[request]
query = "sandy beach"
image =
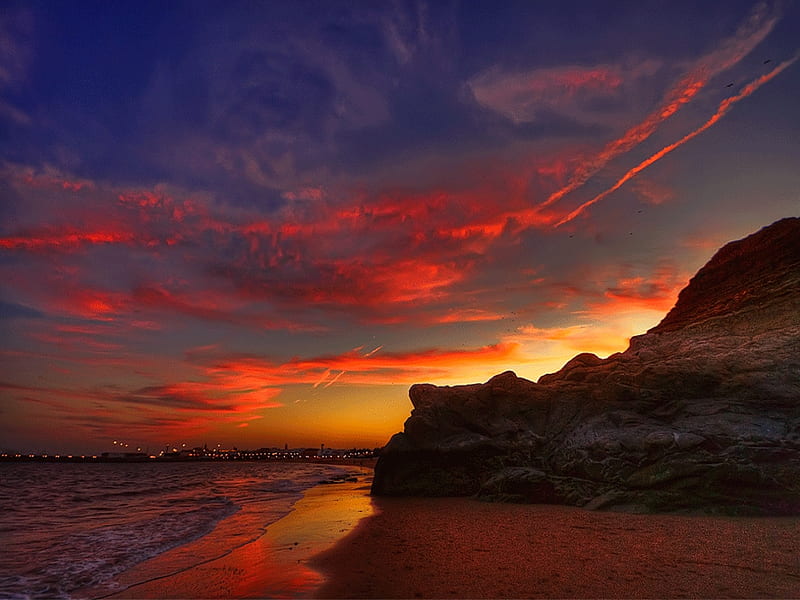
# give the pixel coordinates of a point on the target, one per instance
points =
(338, 542)
(463, 548)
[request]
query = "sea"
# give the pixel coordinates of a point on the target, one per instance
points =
(71, 530)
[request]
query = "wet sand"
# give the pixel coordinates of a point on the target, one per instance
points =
(463, 548)
(273, 566)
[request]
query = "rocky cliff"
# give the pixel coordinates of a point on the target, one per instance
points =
(701, 412)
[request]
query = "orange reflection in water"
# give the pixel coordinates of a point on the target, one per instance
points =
(274, 565)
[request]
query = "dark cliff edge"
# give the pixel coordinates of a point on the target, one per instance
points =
(701, 413)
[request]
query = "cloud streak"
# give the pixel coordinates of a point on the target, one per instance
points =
(751, 33)
(721, 111)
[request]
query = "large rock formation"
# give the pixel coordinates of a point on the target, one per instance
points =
(701, 412)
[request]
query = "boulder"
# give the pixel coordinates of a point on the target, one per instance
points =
(702, 412)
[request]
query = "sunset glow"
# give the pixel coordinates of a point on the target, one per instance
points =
(259, 224)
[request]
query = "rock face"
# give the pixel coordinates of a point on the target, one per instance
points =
(701, 412)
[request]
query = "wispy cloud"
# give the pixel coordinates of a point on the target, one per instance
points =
(17, 25)
(525, 96)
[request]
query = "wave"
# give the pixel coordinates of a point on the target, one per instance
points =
(79, 529)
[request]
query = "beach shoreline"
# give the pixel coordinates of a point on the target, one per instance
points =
(465, 548)
(339, 542)
(276, 564)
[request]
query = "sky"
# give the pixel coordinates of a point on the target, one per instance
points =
(258, 223)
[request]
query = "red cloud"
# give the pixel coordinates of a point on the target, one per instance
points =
(215, 396)
(64, 239)
(387, 257)
(87, 303)
(637, 292)
(48, 179)
(364, 254)
(465, 315)
(159, 204)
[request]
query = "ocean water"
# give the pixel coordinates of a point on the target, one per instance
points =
(71, 530)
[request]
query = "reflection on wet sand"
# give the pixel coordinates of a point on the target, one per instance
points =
(274, 565)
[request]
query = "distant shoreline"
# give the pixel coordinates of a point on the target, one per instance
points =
(350, 462)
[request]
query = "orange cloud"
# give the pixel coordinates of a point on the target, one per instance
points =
(638, 293)
(367, 369)
(466, 315)
(237, 390)
(599, 317)
(556, 345)
(386, 257)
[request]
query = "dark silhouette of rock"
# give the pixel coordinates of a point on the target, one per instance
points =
(700, 413)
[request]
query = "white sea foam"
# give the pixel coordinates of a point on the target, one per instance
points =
(73, 527)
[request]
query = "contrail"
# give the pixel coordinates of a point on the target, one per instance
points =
(723, 109)
(680, 95)
(751, 33)
(321, 379)
(372, 352)
(332, 381)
